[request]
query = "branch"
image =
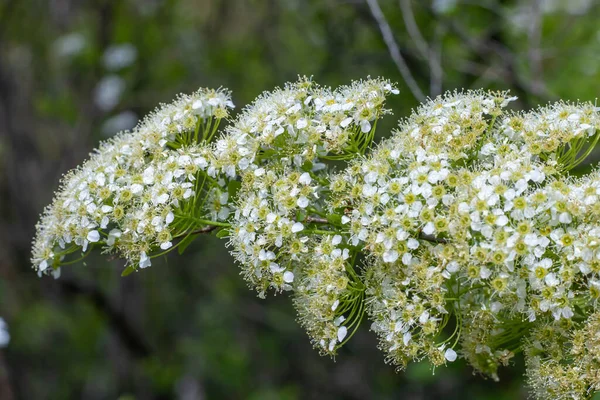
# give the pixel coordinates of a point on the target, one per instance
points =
(508, 61)
(534, 52)
(422, 236)
(6, 391)
(413, 29)
(316, 220)
(431, 53)
(388, 38)
(431, 238)
(206, 229)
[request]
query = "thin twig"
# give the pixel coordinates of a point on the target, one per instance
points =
(431, 238)
(388, 38)
(534, 51)
(431, 53)
(435, 63)
(206, 229)
(316, 220)
(508, 61)
(413, 29)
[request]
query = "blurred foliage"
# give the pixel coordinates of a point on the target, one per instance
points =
(74, 72)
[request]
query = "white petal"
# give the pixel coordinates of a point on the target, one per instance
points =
(341, 333)
(305, 178)
(390, 256)
(93, 236)
(346, 122)
(288, 277)
(302, 202)
(43, 266)
(365, 126)
(297, 227)
(335, 305)
(450, 355)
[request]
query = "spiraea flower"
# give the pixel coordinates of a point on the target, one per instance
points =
(329, 295)
(461, 235)
(127, 197)
(301, 123)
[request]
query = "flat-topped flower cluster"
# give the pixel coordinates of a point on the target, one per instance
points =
(461, 235)
(126, 196)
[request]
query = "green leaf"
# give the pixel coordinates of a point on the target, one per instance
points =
(128, 270)
(300, 215)
(222, 233)
(334, 219)
(185, 242)
(307, 166)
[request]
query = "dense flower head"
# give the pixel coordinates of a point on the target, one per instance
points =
(459, 218)
(329, 295)
(560, 131)
(126, 197)
(461, 235)
(302, 122)
(267, 237)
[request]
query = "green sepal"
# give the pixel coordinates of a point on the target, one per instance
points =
(300, 215)
(222, 233)
(334, 219)
(128, 271)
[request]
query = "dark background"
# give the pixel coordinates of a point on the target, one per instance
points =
(73, 72)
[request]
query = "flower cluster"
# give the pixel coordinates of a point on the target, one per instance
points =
(461, 220)
(461, 235)
(278, 147)
(559, 132)
(300, 123)
(127, 196)
(266, 237)
(563, 359)
(329, 295)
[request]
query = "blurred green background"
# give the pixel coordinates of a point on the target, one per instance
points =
(73, 72)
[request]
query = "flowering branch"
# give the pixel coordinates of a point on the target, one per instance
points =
(461, 235)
